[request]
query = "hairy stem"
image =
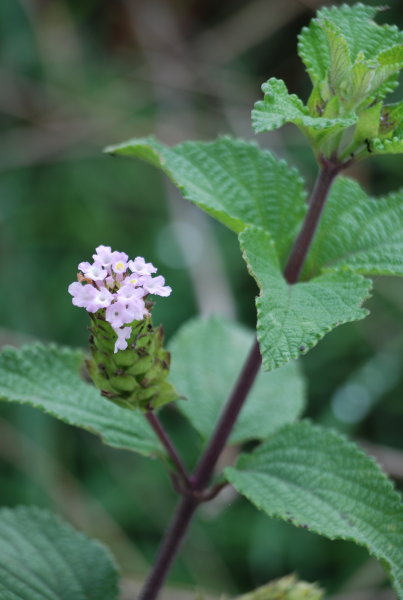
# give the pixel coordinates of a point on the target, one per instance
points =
(205, 468)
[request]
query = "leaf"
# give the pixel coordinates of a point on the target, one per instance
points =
(393, 145)
(233, 181)
(316, 479)
(43, 558)
(293, 318)
(356, 25)
(368, 125)
(47, 377)
(207, 356)
(280, 107)
(357, 232)
(339, 56)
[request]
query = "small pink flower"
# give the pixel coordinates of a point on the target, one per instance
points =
(140, 267)
(155, 285)
(118, 314)
(119, 262)
(128, 292)
(103, 256)
(102, 299)
(119, 288)
(123, 334)
(94, 272)
(83, 295)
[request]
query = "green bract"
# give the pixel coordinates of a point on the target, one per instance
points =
(353, 63)
(135, 377)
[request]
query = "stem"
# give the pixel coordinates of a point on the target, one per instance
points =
(169, 547)
(204, 470)
(168, 445)
(319, 194)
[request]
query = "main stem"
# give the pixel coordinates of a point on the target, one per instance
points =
(205, 468)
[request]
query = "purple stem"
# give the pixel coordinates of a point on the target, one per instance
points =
(204, 470)
(168, 445)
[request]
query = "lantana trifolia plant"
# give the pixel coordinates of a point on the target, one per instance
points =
(312, 262)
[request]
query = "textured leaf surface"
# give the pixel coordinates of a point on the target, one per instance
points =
(358, 232)
(42, 558)
(293, 318)
(207, 356)
(280, 107)
(47, 377)
(232, 180)
(315, 478)
(358, 28)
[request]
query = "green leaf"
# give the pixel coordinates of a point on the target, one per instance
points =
(232, 180)
(43, 558)
(393, 145)
(356, 25)
(47, 377)
(280, 107)
(357, 232)
(293, 318)
(315, 478)
(207, 356)
(339, 56)
(368, 125)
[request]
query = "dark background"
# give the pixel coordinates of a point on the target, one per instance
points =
(78, 75)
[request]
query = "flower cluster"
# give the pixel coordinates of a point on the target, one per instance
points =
(118, 286)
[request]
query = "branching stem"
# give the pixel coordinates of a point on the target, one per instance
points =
(196, 490)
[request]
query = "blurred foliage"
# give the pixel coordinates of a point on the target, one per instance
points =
(76, 75)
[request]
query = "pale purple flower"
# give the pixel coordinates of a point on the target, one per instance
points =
(94, 271)
(119, 262)
(128, 292)
(155, 285)
(117, 314)
(102, 299)
(123, 334)
(140, 267)
(83, 295)
(118, 289)
(103, 256)
(137, 308)
(132, 280)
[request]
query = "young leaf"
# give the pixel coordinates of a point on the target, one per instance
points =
(47, 377)
(279, 107)
(293, 318)
(393, 145)
(357, 232)
(356, 25)
(316, 479)
(43, 558)
(207, 356)
(232, 180)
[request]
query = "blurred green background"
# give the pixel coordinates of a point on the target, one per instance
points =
(76, 75)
